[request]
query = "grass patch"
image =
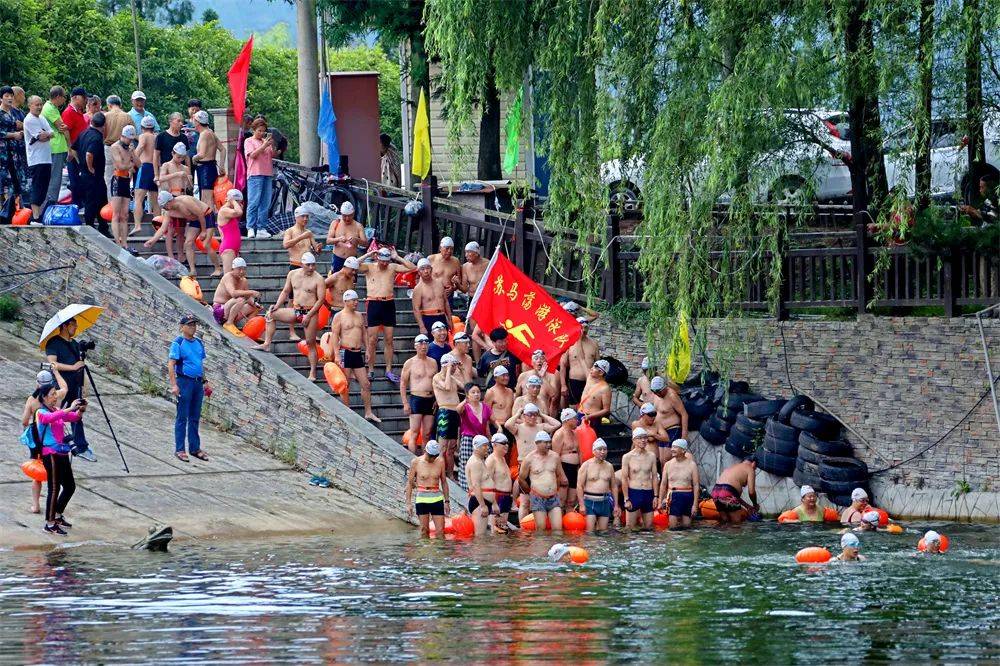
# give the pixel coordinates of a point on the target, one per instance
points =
(287, 452)
(149, 384)
(10, 307)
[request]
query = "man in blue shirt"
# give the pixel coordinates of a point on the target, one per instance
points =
(186, 367)
(138, 111)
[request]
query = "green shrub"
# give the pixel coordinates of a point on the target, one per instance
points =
(10, 308)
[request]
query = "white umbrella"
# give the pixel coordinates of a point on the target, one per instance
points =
(85, 315)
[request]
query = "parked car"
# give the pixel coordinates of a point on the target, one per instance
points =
(808, 160)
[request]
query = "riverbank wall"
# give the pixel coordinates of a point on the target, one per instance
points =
(257, 398)
(900, 384)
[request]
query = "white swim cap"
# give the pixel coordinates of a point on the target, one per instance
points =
(438, 326)
(347, 208)
(870, 517)
(462, 337)
(534, 380)
(352, 263)
(499, 438)
(308, 258)
(128, 132)
(179, 149)
(147, 122)
(201, 117)
(558, 551)
(421, 339)
(850, 540)
(647, 408)
(602, 365)
(639, 433)
(432, 448)
(424, 263)
(657, 384)
(531, 408)
(44, 377)
(480, 440)
(350, 295)
(932, 537)
(239, 262)
(164, 197)
(301, 211)
(680, 443)
(568, 414)
(599, 444)
(385, 253)
(448, 359)
(858, 494)
(538, 352)
(645, 363)
(542, 436)
(447, 242)
(473, 246)
(805, 490)
(234, 194)
(500, 371)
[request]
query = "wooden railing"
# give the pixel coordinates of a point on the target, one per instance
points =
(834, 268)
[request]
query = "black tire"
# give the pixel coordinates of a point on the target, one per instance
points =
(798, 402)
(711, 435)
(823, 426)
(694, 422)
(737, 400)
(700, 407)
(841, 487)
(810, 456)
(775, 463)
(748, 423)
(778, 429)
(840, 500)
(763, 408)
(782, 446)
(741, 438)
(734, 387)
(720, 424)
(807, 468)
(843, 469)
(833, 449)
(726, 414)
(749, 432)
(802, 479)
(737, 450)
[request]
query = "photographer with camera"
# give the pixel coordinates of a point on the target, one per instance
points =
(67, 357)
(186, 367)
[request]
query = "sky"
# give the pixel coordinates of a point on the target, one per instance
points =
(241, 17)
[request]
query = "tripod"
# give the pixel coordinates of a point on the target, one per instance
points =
(97, 394)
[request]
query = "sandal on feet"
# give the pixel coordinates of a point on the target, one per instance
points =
(200, 455)
(183, 457)
(373, 418)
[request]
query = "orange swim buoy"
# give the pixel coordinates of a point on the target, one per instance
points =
(323, 316)
(190, 286)
(578, 555)
(107, 213)
(661, 519)
(831, 515)
(790, 516)
(220, 190)
(894, 529)
(813, 555)
(883, 517)
(708, 510)
(573, 521)
(21, 218)
(464, 527)
(528, 523)
(408, 436)
(200, 244)
(585, 437)
(157, 221)
(921, 546)
(35, 470)
(254, 328)
(335, 378)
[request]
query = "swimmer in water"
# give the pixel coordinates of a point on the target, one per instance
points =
(851, 546)
(869, 522)
(480, 508)
(859, 504)
(680, 487)
(932, 542)
(597, 488)
(809, 511)
(427, 477)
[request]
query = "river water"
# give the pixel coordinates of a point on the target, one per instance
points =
(706, 595)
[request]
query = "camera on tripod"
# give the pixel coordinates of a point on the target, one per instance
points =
(86, 346)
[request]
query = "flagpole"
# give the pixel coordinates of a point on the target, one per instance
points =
(482, 283)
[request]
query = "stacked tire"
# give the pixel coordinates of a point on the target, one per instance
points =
(747, 431)
(780, 443)
(699, 406)
(717, 428)
(825, 460)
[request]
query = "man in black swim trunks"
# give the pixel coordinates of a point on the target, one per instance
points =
(347, 344)
(417, 393)
(381, 308)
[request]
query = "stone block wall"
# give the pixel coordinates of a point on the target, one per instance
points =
(256, 396)
(899, 382)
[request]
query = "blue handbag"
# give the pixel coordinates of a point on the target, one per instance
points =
(62, 215)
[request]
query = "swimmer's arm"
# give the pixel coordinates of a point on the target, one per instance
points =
(549, 421)
(404, 266)
(283, 296)
(404, 383)
(625, 461)
(561, 479)
(463, 281)
(524, 475)
(696, 482)
(511, 423)
(614, 492)
(752, 484)
(664, 486)
(443, 481)
(411, 477)
(637, 396)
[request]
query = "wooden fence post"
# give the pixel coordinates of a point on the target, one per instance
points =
(948, 284)
(519, 241)
(612, 271)
(427, 231)
(861, 230)
(784, 259)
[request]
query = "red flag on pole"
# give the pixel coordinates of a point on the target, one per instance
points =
(238, 75)
(508, 298)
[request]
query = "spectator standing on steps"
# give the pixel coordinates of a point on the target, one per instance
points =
(259, 151)
(38, 140)
(186, 367)
(89, 148)
(63, 352)
(60, 140)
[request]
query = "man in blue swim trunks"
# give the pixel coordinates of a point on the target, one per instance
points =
(596, 488)
(680, 487)
(145, 150)
(540, 477)
(639, 482)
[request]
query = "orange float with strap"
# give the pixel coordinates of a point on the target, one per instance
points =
(463, 525)
(254, 328)
(221, 189)
(709, 512)
(831, 515)
(578, 555)
(157, 221)
(574, 521)
(200, 244)
(190, 286)
(883, 516)
(585, 438)
(813, 555)
(408, 438)
(792, 516)
(106, 212)
(334, 376)
(21, 218)
(35, 470)
(528, 523)
(323, 316)
(660, 519)
(921, 545)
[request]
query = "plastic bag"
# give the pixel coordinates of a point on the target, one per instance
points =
(167, 267)
(62, 215)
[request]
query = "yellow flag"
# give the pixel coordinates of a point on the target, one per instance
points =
(679, 361)
(421, 140)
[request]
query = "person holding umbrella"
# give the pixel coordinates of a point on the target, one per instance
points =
(186, 367)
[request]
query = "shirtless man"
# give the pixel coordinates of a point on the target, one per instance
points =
(680, 486)
(430, 302)
(533, 394)
(427, 477)
(727, 492)
(565, 444)
(524, 424)
(575, 364)
(346, 235)
(647, 421)
(445, 384)
(188, 214)
(298, 240)
(379, 283)
(639, 468)
(480, 508)
(145, 177)
(550, 389)
(595, 403)
(234, 300)
(473, 271)
(540, 478)
(597, 488)
(339, 282)
(643, 393)
(461, 354)
(498, 484)
(416, 391)
(308, 288)
(347, 348)
(175, 178)
(446, 267)
(500, 397)
(671, 417)
(123, 161)
(208, 171)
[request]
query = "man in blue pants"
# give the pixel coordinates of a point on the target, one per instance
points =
(186, 367)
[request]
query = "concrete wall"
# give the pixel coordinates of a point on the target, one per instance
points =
(261, 399)
(899, 382)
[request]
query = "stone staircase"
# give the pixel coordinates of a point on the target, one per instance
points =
(267, 267)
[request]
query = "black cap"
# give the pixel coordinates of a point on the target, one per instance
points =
(188, 319)
(79, 90)
(194, 101)
(498, 333)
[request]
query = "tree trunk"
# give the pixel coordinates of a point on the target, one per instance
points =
(488, 167)
(868, 179)
(922, 124)
(974, 81)
(308, 82)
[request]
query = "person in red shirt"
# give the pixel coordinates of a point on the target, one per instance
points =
(76, 122)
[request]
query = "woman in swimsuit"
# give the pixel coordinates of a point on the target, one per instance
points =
(474, 419)
(229, 226)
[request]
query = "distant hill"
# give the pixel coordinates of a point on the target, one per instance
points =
(241, 17)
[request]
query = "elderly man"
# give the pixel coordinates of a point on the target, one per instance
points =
(597, 488)
(445, 384)
(430, 300)
(234, 301)
(138, 110)
(439, 345)
(472, 274)
(498, 484)
(347, 349)
(575, 365)
(38, 136)
(339, 282)
(540, 477)
(145, 175)
(427, 478)
(680, 486)
(76, 124)
(116, 119)
(446, 267)
(124, 162)
(564, 443)
(550, 389)
(346, 235)
(89, 149)
(639, 482)
(480, 508)
(187, 215)
(595, 403)
(207, 168)
(416, 391)
(59, 143)
(186, 367)
(381, 308)
(728, 491)
(173, 178)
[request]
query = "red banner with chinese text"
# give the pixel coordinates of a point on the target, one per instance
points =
(532, 318)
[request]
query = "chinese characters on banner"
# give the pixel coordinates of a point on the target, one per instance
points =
(532, 318)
